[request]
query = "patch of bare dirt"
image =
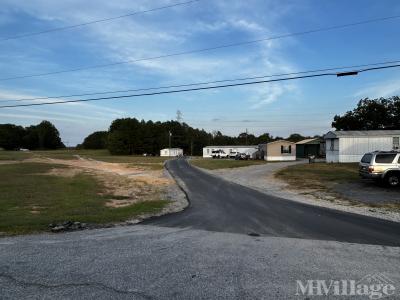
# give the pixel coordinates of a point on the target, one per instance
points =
(9, 162)
(124, 183)
(64, 172)
(35, 210)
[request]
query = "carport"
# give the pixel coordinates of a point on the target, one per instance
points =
(308, 147)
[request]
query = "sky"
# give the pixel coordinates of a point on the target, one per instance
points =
(305, 106)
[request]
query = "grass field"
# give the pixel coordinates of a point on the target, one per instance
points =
(30, 199)
(150, 162)
(213, 164)
(14, 155)
(318, 175)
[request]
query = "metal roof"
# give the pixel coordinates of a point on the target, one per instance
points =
(233, 146)
(171, 149)
(281, 141)
(306, 141)
(359, 133)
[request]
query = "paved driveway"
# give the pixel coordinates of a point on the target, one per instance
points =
(219, 205)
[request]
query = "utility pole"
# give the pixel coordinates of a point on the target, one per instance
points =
(169, 139)
(246, 136)
(179, 116)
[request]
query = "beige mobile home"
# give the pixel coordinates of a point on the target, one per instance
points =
(280, 150)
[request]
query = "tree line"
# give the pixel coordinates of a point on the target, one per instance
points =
(130, 136)
(41, 136)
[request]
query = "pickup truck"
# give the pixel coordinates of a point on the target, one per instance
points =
(219, 154)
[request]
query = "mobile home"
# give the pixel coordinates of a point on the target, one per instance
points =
(249, 150)
(171, 152)
(350, 146)
(281, 150)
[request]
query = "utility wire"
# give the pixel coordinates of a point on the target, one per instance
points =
(299, 33)
(95, 21)
(204, 83)
(198, 88)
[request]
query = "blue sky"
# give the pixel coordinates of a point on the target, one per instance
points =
(304, 106)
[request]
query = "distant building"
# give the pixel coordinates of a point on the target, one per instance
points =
(171, 152)
(308, 147)
(350, 146)
(250, 150)
(281, 150)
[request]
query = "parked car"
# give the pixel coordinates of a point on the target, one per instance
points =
(381, 165)
(233, 154)
(219, 154)
(242, 156)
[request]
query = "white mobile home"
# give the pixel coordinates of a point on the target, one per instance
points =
(250, 150)
(350, 146)
(171, 152)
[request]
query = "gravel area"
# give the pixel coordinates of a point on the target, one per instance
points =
(261, 178)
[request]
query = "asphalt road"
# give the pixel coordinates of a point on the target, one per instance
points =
(148, 262)
(219, 205)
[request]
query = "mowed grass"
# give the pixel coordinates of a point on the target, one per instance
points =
(30, 200)
(148, 162)
(214, 164)
(318, 175)
(14, 155)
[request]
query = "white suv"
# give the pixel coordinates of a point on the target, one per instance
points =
(381, 165)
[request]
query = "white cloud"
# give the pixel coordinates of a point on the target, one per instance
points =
(174, 30)
(382, 89)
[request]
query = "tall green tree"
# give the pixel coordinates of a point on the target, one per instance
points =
(11, 136)
(371, 114)
(42, 136)
(96, 140)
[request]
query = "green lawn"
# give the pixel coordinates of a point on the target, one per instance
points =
(318, 175)
(150, 162)
(14, 155)
(213, 164)
(30, 200)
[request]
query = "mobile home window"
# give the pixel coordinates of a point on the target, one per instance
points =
(396, 142)
(332, 145)
(286, 149)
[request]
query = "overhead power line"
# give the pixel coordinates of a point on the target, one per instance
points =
(202, 83)
(237, 44)
(95, 21)
(197, 88)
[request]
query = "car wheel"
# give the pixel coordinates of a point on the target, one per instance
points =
(393, 179)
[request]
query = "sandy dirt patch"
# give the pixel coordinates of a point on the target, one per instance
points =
(124, 183)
